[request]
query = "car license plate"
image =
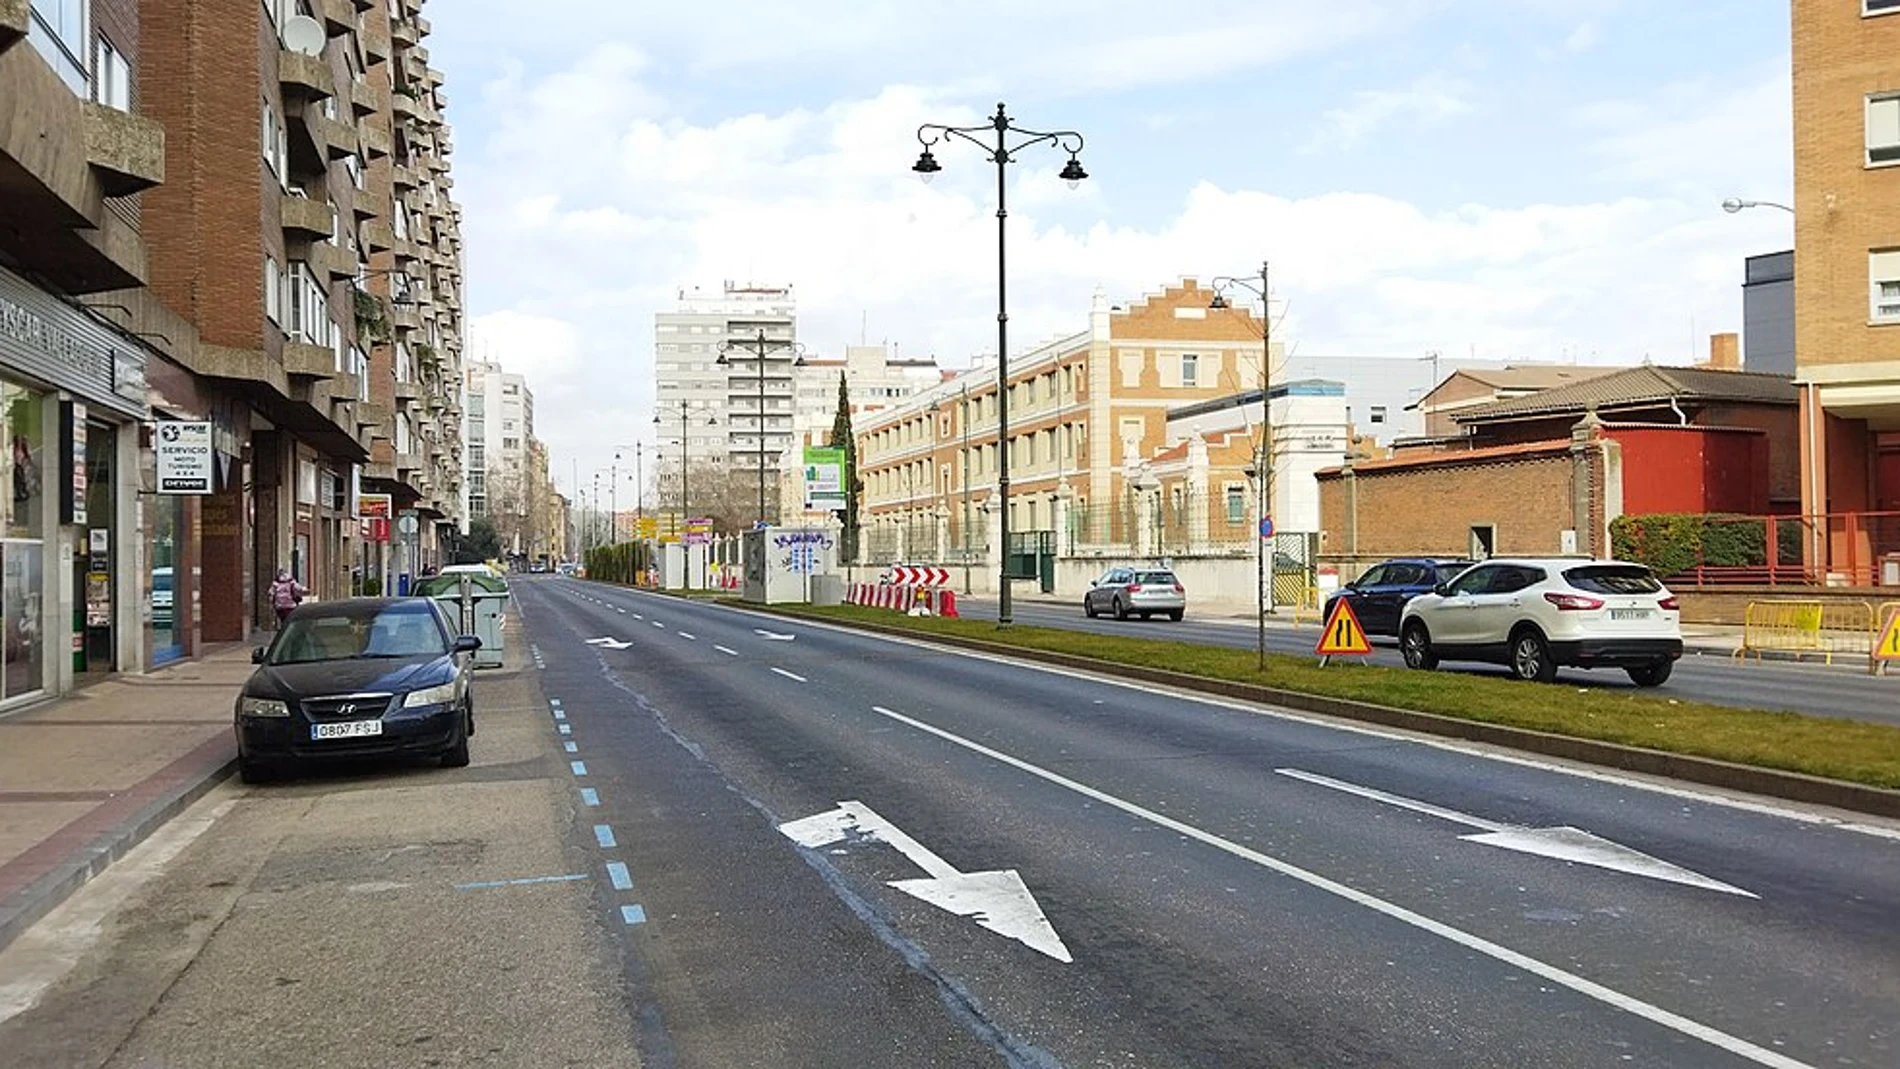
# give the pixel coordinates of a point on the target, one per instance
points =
(348, 729)
(1629, 614)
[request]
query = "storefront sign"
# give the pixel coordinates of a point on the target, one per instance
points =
(186, 460)
(699, 532)
(824, 479)
(375, 506)
(72, 456)
(64, 347)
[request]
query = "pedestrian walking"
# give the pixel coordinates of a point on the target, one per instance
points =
(285, 594)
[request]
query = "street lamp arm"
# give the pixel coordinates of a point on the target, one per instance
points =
(1226, 282)
(1069, 141)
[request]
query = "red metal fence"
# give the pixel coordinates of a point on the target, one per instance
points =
(1847, 549)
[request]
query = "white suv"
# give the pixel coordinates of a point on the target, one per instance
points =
(1533, 616)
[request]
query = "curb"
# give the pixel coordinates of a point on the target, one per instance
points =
(1773, 783)
(34, 901)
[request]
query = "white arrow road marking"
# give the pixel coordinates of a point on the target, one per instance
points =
(793, 676)
(1563, 843)
(608, 643)
(1609, 996)
(997, 900)
(773, 636)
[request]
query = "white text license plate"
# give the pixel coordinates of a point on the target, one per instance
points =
(348, 729)
(1629, 614)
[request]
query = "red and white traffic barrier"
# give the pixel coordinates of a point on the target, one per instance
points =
(926, 600)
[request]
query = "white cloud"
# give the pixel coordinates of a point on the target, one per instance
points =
(596, 196)
(1430, 99)
(1585, 37)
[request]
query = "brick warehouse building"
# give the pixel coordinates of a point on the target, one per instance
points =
(1846, 93)
(303, 294)
(1546, 473)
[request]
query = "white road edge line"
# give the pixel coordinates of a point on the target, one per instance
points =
(793, 676)
(1609, 996)
(727, 652)
(1449, 745)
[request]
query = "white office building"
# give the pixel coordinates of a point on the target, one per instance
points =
(498, 422)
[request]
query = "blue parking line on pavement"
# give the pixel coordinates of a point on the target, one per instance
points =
(571, 747)
(590, 797)
(559, 715)
(579, 767)
(522, 882)
(618, 874)
(633, 915)
(604, 835)
(564, 729)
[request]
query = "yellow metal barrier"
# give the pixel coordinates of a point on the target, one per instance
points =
(1826, 629)
(1307, 603)
(1882, 616)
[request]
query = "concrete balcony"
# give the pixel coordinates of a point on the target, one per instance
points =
(310, 361)
(15, 15)
(365, 99)
(405, 316)
(339, 16)
(404, 176)
(366, 205)
(404, 32)
(126, 151)
(408, 254)
(408, 462)
(371, 415)
(374, 137)
(409, 392)
(377, 236)
(376, 43)
(306, 218)
(304, 77)
(338, 138)
(332, 261)
(423, 29)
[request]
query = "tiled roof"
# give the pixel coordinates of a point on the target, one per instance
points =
(1436, 457)
(1536, 376)
(1646, 385)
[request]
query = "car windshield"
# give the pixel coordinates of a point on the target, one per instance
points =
(1614, 579)
(351, 633)
(1156, 578)
(1448, 572)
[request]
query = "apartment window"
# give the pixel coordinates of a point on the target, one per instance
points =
(59, 30)
(509, 445)
(111, 77)
(1883, 269)
(1879, 7)
(1236, 504)
(1883, 128)
(1378, 413)
(274, 140)
(1190, 369)
(273, 290)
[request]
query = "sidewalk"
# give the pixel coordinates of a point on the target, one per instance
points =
(85, 778)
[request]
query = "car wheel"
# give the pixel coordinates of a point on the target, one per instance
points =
(1121, 612)
(456, 756)
(1416, 646)
(255, 772)
(1088, 608)
(1653, 674)
(1530, 657)
(1176, 614)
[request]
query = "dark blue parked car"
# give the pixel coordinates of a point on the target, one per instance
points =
(1379, 596)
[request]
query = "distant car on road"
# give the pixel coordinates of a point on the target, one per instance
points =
(1534, 616)
(1143, 592)
(356, 678)
(1379, 596)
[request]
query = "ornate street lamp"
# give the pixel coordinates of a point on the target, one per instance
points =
(760, 346)
(1001, 153)
(1261, 471)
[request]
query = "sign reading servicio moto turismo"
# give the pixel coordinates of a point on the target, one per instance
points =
(184, 455)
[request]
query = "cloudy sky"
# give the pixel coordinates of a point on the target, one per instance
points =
(1511, 179)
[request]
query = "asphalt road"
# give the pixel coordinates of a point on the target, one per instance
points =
(697, 836)
(1813, 688)
(1221, 886)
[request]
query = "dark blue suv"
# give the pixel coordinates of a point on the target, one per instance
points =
(1379, 596)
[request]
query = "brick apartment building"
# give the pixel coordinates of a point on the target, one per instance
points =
(1085, 409)
(1846, 79)
(75, 154)
(304, 287)
(224, 212)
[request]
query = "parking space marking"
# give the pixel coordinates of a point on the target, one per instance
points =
(633, 915)
(579, 767)
(565, 729)
(590, 797)
(522, 882)
(570, 747)
(559, 715)
(620, 877)
(793, 676)
(604, 835)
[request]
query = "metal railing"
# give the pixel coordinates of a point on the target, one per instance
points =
(1811, 627)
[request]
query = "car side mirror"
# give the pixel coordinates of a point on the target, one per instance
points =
(1095, 582)
(1443, 590)
(257, 655)
(467, 644)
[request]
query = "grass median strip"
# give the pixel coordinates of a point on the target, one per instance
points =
(1849, 750)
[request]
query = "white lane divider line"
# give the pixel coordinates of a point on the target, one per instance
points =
(659, 625)
(793, 676)
(1589, 988)
(687, 637)
(637, 616)
(727, 652)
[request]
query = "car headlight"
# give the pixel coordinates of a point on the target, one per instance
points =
(262, 707)
(437, 695)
